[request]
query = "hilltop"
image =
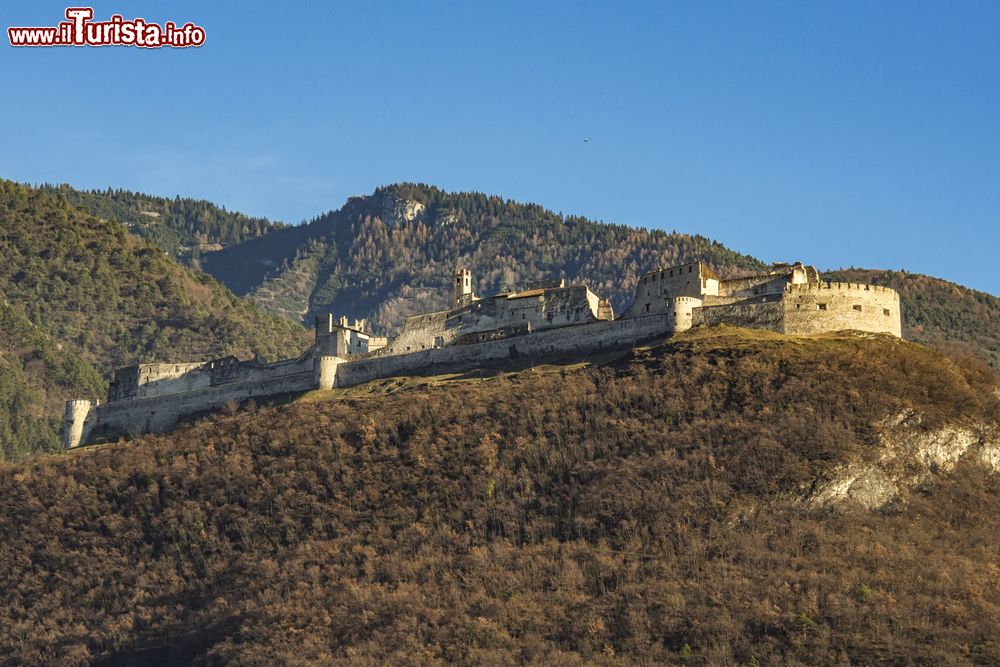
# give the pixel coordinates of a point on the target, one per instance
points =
(81, 293)
(727, 497)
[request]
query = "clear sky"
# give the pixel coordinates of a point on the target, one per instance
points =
(838, 133)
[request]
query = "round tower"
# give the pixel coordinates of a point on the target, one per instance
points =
(75, 426)
(326, 371)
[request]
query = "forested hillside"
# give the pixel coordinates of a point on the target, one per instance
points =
(939, 313)
(377, 259)
(183, 227)
(659, 510)
(81, 293)
(37, 374)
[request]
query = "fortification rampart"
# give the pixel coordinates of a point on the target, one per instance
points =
(86, 422)
(586, 338)
(832, 306)
(539, 322)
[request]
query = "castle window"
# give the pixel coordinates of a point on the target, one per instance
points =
(690, 269)
(857, 308)
(647, 307)
(885, 311)
(821, 306)
(671, 274)
(798, 305)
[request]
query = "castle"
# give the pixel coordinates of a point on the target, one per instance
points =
(543, 319)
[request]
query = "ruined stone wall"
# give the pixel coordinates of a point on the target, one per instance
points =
(419, 333)
(587, 338)
(752, 286)
(809, 308)
(679, 281)
(535, 310)
(825, 306)
(155, 379)
(156, 414)
(765, 312)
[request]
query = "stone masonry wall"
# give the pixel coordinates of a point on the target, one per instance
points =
(160, 413)
(759, 313)
(593, 337)
(816, 307)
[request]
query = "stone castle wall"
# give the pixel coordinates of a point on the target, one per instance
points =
(809, 308)
(536, 310)
(586, 338)
(86, 422)
(536, 323)
(766, 312)
(825, 306)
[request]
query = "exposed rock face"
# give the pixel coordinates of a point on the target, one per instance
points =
(399, 211)
(909, 455)
(867, 485)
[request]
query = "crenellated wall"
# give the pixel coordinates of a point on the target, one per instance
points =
(832, 306)
(158, 413)
(547, 321)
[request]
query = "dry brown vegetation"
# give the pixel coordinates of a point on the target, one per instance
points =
(642, 512)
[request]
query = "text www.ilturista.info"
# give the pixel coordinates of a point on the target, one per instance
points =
(80, 30)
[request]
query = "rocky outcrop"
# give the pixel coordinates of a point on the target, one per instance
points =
(400, 211)
(909, 454)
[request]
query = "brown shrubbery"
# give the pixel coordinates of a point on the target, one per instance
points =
(641, 513)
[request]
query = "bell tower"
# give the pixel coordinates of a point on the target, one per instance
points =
(461, 288)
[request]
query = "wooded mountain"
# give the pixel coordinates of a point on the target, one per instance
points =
(81, 293)
(380, 257)
(391, 254)
(377, 259)
(181, 227)
(728, 498)
(96, 297)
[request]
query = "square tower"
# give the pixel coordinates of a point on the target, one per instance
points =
(461, 288)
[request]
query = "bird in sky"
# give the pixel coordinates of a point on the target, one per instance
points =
(586, 140)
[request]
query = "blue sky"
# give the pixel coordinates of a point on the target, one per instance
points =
(842, 134)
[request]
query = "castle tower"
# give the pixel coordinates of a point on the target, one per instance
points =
(461, 288)
(75, 426)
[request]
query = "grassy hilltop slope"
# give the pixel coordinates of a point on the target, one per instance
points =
(728, 498)
(940, 313)
(82, 293)
(373, 259)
